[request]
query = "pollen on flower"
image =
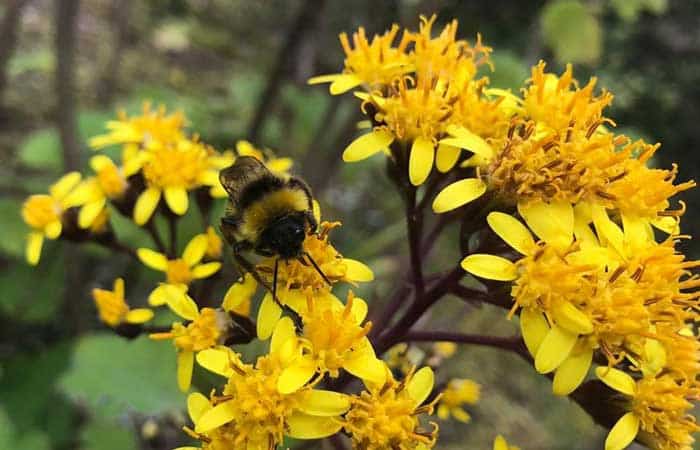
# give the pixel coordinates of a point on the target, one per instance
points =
(178, 271)
(111, 308)
(181, 166)
(111, 181)
(202, 333)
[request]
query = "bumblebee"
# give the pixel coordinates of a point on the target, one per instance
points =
(267, 213)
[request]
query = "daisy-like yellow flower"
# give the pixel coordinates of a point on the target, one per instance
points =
(180, 271)
(252, 413)
(500, 443)
(374, 64)
(458, 392)
(109, 183)
(659, 411)
(332, 339)
(114, 310)
(43, 214)
(387, 415)
(207, 328)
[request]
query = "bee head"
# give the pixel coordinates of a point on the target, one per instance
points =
(285, 235)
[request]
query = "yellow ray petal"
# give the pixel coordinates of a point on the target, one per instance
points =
(364, 365)
(284, 330)
(239, 295)
(500, 443)
(165, 292)
(623, 432)
(185, 364)
(617, 379)
(100, 162)
(555, 348)
(145, 205)
(153, 259)
(469, 141)
(35, 240)
(183, 306)
(490, 267)
(344, 83)
(197, 405)
(89, 212)
(64, 185)
(218, 360)
(421, 385)
(458, 193)
(324, 403)
(177, 199)
(294, 377)
(571, 318)
(304, 426)
(534, 328)
(420, 161)
(359, 310)
(446, 157)
(195, 250)
(552, 222)
(572, 372)
(357, 271)
(268, 315)
(367, 145)
(205, 270)
(318, 79)
(219, 415)
(607, 229)
(139, 315)
(53, 230)
(512, 231)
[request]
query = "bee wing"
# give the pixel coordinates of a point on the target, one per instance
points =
(236, 177)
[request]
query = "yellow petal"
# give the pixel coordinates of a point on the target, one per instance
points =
(185, 364)
(218, 360)
(64, 185)
(572, 372)
(534, 328)
(89, 212)
(304, 426)
(205, 270)
(294, 377)
(367, 145)
(153, 259)
(145, 205)
(183, 306)
(421, 385)
(139, 315)
(623, 432)
(571, 318)
(284, 330)
(359, 310)
(219, 415)
(53, 230)
(344, 83)
(467, 140)
(177, 200)
(357, 271)
(461, 415)
(317, 211)
(500, 443)
(323, 78)
(512, 231)
(552, 222)
(197, 405)
(666, 224)
(608, 229)
(617, 379)
(420, 161)
(364, 364)
(635, 232)
(490, 267)
(446, 157)
(555, 348)
(324, 403)
(83, 193)
(101, 162)
(35, 241)
(239, 294)
(268, 315)
(166, 292)
(195, 249)
(457, 194)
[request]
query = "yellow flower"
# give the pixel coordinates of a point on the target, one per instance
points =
(386, 416)
(92, 194)
(332, 339)
(374, 64)
(251, 413)
(179, 271)
(239, 295)
(207, 329)
(214, 244)
(458, 392)
(171, 171)
(43, 214)
(658, 406)
(113, 309)
(500, 443)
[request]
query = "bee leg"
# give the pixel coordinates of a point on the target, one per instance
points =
(318, 269)
(274, 278)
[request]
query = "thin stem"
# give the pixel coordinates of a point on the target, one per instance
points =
(157, 240)
(510, 343)
(393, 305)
(115, 245)
(172, 232)
(414, 219)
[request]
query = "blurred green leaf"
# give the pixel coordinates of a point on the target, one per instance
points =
(14, 229)
(510, 71)
(42, 150)
(104, 434)
(41, 60)
(629, 10)
(571, 30)
(112, 375)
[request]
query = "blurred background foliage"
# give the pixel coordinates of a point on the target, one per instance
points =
(238, 70)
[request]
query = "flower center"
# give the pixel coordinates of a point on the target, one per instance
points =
(201, 334)
(178, 272)
(40, 210)
(176, 167)
(111, 308)
(111, 181)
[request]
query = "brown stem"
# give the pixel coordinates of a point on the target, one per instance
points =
(172, 234)
(414, 221)
(510, 343)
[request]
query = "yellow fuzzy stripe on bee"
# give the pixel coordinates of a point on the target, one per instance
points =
(273, 205)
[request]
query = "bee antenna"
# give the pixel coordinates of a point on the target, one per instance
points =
(274, 279)
(318, 269)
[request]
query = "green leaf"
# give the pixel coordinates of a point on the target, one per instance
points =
(105, 434)
(14, 230)
(42, 150)
(510, 71)
(629, 10)
(112, 375)
(572, 32)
